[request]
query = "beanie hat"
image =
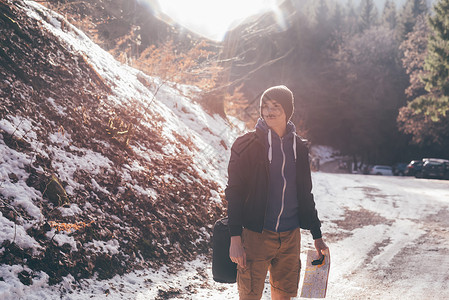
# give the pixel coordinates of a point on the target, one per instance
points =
(282, 95)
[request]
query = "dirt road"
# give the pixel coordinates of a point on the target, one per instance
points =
(389, 236)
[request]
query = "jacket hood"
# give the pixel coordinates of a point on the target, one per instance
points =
(263, 130)
(263, 126)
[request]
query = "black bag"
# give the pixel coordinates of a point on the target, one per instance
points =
(223, 269)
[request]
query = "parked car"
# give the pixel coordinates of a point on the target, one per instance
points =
(414, 168)
(381, 170)
(399, 169)
(446, 171)
(436, 168)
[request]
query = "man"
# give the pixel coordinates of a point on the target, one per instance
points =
(269, 200)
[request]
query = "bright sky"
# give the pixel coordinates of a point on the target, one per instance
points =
(212, 18)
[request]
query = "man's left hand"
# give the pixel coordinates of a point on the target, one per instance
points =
(320, 246)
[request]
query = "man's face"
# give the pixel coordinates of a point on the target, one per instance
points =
(273, 114)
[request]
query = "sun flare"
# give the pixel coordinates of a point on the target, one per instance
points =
(212, 18)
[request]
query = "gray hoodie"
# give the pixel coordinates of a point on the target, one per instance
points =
(282, 207)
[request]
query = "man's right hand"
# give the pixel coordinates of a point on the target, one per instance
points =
(236, 251)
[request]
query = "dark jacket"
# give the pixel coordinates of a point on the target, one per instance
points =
(248, 182)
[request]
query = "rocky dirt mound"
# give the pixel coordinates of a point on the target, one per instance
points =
(128, 211)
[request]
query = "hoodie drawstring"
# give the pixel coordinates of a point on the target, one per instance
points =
(294, 144)
(270, 150)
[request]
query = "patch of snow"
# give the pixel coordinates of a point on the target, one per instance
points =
(67, 163)
(215, 196)
(13, 163)
(109, 247)
(59, 109)
(324, 153)
(88, 206)
(149, 192)
(19, 126)
(55, 22)
(98, 188)
(12, 288)
(15, 232)
(62, 238)
(60, 138)
(71, 210)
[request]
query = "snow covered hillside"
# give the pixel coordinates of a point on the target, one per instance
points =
(99, 173)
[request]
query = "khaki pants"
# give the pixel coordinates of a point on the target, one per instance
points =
(276, 252)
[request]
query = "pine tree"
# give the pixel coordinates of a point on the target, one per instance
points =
(368, 15)
(351, 17)
(419, 7)
(321, 12)
(412, 9)
(389, 15)
(323, 28)
(426, 60)
(414, 52)
(337, 17)
(436, 103)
